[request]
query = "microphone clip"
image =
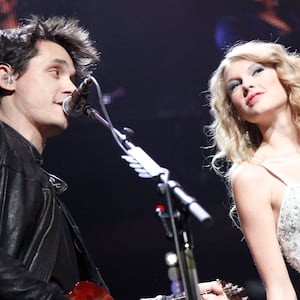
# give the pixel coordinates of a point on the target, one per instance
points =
(164, 219)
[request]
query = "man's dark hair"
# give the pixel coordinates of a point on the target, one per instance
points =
(18, 46)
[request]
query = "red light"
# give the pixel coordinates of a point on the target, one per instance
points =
(160, 208)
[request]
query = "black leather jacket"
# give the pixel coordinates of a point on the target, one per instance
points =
(29, 224)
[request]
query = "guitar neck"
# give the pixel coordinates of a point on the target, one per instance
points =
(232, 292)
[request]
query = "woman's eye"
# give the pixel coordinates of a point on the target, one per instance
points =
(233, 85)
(258, 70)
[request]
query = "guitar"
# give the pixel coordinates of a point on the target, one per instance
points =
(232, 292)
(85, 290)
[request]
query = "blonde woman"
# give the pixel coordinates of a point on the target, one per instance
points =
(254, 97)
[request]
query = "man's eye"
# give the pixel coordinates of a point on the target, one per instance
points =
(54, 71)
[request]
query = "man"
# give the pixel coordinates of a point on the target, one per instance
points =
(42, 255)
(41, 252)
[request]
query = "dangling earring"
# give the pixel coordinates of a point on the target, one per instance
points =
(248, 139)
(245, 132)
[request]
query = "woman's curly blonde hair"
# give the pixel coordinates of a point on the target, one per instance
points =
(236, 140)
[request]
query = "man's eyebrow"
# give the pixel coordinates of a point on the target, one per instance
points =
(60, 62)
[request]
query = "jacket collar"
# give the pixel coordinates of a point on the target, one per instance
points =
(36, 155)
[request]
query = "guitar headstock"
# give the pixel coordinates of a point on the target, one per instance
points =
(233, 291)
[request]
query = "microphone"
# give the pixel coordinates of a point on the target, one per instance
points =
(191, 204)
(72, 105)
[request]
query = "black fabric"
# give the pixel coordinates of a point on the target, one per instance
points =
(31, 223)
(66, 260)
(295, 278)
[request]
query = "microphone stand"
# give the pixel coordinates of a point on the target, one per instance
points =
(146, 167)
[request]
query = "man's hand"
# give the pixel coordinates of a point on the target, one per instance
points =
(212, 290)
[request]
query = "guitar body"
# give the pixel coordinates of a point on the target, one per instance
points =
(85, 290)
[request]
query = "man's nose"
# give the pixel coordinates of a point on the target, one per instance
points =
(70, 87)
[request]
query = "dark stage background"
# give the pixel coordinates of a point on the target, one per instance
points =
(160, 54)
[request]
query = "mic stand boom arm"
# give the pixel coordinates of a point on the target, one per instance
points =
(146, 167)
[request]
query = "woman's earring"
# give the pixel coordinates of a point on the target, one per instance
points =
(247, 138)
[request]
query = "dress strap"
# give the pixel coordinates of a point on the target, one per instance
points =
(275, 173)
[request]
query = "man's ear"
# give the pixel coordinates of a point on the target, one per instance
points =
(6, 78)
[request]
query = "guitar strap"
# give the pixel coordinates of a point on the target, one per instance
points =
(42, 268)
(92, 270)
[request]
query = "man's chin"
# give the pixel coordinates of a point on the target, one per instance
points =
(56, 130)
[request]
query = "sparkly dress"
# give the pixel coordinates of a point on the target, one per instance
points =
(288, 227)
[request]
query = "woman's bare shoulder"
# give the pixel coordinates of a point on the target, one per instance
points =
(248, 174)
(251, 188)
